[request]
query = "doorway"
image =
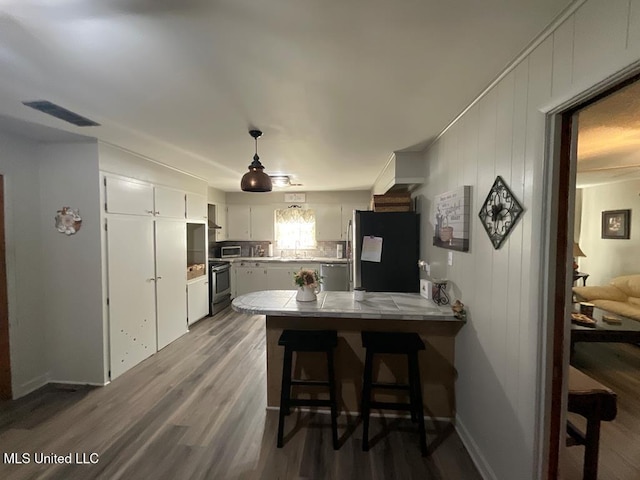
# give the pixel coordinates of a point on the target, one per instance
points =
(579, 163)
(5, 357)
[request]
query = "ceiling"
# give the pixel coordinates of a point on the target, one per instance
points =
(336, 87)
(609, 139)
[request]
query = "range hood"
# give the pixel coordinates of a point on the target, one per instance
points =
(403, 172)
(211, 217)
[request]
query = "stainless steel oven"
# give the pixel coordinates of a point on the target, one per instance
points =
(219, 285)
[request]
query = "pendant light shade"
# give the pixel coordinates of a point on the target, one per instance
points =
(255, 180)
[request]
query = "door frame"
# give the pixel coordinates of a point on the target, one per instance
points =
(560, 178)
(6, 392)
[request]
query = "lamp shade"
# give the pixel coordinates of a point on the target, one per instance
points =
(255, 180)
(577, 252)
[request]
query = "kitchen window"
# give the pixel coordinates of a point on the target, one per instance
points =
(295, 228)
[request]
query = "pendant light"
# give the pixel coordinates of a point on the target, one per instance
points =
(255, 180)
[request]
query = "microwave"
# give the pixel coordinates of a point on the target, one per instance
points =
(231, 251)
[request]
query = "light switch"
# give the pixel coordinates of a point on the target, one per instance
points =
(450, 259)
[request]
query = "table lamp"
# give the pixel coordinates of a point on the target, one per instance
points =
(577, 252)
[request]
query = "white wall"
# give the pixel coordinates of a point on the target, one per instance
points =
(122, 162)
(608, 258)
(499, 351)
(215, 196)
(19, 166)
(71, 267)
(247, 198)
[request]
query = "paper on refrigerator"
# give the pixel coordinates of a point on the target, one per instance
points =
(371, 249)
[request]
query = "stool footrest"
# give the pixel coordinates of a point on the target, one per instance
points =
(311, 383)
(576, 437)
(391, 405)
(304, 402)
(404, 343)
(391, 386)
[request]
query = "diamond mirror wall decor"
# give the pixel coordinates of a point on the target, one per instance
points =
(499, 212)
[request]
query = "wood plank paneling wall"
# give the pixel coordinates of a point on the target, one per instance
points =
(499, 352)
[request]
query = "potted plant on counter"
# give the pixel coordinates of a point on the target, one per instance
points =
(308, 282)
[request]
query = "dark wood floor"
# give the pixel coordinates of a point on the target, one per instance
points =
(617, 366)
(196, 410)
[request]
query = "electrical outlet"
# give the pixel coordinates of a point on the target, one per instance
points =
(427, 269)
(450, 259)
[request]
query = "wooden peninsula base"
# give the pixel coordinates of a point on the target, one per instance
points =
(393, 312)
(436, 361)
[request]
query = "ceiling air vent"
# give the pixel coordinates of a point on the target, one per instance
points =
(61, 113)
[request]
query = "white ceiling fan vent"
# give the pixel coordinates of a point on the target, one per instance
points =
(57, 111)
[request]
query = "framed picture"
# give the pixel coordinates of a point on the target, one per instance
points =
(616, 224)
(451, 219)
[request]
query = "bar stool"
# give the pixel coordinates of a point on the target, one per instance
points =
(307, 341)
(395, 343)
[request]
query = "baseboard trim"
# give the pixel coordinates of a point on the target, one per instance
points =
(30, 386)
(476, 455)
(66, 382)
(373, 414)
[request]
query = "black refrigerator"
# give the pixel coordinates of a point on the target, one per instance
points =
(397, 270)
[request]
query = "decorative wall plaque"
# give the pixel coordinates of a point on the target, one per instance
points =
(68, 220)
(499, 212)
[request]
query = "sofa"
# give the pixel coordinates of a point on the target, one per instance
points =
(621, 296)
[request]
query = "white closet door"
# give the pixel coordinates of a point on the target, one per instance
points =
(171, 280)
(132, 312)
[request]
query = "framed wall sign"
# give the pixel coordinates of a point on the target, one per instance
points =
(451, 219)
(616, 224)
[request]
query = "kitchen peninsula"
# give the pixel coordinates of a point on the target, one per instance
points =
(399, 312)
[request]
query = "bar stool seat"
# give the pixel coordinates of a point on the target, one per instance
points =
(408, 344)
(307, 341)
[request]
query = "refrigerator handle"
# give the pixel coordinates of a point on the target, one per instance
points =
(350, 253)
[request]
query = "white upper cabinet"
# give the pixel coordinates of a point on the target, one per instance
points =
(238, 222)
(328, 222)
(126, 196)
(169, 202)
(221, 220)
(262, 219)
(250, 223)
(196, 207)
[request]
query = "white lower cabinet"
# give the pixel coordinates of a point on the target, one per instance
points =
(251, 277)
(197, 299)
(280, 277)
(257, 276)
(147, 296)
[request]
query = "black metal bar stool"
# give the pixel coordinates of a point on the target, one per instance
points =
(395, 343)
(307, 341)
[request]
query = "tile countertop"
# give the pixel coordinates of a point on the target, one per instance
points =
(379, 305)
(286, 259)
